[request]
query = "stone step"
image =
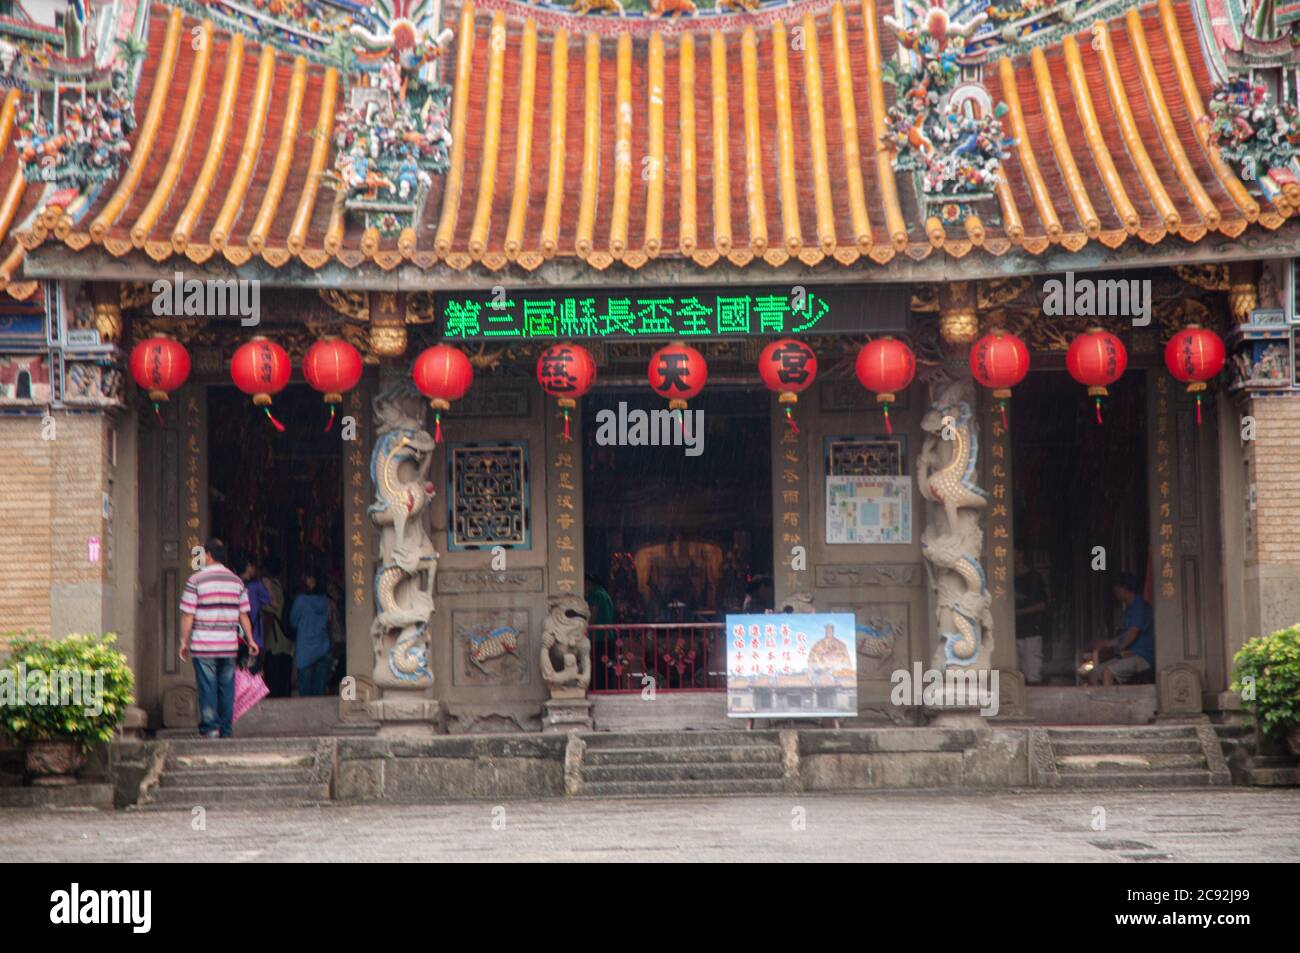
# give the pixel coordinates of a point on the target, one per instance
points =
(186, 746)
(245, 778)
(283, 795)
(713, 788)
(1128, 733)
(712, 754)
(680, 772)
(1234, 730)
(1117, 761)
(241, 761)
(1093, 780)
(1128, 746)
(678, 739)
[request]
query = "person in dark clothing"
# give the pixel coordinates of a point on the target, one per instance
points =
(1031, 619)
(259, 597)
(309, 621)
(598, 599)
(1135, 641)
(279, 647)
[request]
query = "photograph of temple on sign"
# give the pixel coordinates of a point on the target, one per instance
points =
(791, 666)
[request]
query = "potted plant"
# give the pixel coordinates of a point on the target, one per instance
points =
(61, 697)
(1267, 675)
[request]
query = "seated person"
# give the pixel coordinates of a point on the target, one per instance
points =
(1135, 645)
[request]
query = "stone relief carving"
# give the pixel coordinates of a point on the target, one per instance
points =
(492, 645)
(879, 574)
(953, 540)
(399, 471)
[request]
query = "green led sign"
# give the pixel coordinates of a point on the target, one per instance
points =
(676, 313)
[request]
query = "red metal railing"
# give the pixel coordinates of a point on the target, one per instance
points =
(678, 656)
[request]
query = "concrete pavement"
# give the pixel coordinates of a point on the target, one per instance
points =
(1198, 825)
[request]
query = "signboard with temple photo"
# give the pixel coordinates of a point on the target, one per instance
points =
(802, 665)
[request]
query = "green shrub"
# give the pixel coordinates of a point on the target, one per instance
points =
(1273, 661)
(87, 688)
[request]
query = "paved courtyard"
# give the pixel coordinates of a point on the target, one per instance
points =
(1226, 826)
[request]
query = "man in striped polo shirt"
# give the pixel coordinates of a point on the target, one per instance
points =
(214, 616)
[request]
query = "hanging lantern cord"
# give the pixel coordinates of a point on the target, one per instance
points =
(271, 417)
(437, 427)
(567, 435)
(1198, 408)
(789, 418)
(330, 423)
(1097, 401)
(1002, 407)
(157, 412)
(889, 427)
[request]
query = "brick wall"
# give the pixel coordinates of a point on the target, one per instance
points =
(50, 505)
(24, 525)
(1277, 480)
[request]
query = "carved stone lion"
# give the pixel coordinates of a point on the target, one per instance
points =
(566, 650)
(798, 602)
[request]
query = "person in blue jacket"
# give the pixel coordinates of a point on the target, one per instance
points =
(309, 621)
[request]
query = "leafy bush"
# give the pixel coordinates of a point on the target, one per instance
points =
(77, 688)
(1273, 662)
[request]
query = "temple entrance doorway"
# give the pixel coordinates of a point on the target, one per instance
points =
(278, 498)
(676, 535)
(1078, 486)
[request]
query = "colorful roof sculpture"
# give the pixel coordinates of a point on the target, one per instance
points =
(748, 138)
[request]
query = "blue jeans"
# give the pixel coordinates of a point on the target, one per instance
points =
(216, 680)
(313, 678)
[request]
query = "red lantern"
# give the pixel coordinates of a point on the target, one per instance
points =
(261, 368)
(788, 367)
(999, 361)
(443, 374)
(677, 372)
(1194, 356)
(332, 366)
(886, 365)
(1096, 359)
(566, 371)
(159, 365)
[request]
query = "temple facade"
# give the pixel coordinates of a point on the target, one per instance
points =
(502, 177)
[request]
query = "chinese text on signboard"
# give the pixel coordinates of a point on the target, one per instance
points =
(669, 314)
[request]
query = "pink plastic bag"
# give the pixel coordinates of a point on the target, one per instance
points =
(249, 690)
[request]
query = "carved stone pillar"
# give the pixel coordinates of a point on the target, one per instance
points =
(404, 578)
(953, 541)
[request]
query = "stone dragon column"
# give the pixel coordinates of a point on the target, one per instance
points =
(947, 472)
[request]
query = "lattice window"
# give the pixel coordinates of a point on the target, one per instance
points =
(487, 501)
(866, 456)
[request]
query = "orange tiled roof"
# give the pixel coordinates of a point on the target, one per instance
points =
(703, 146)
(16, 203)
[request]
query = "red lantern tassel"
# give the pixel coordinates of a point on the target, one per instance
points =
(1198, 410)
(157, 410)
(437, 427)
(1002, 407)
(271, 417)
(567, 435)
(889, 428)
(789, 418)
(1098, 402)
(330, 423)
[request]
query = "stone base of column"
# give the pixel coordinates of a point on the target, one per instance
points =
(568, 710)
(407, 715)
